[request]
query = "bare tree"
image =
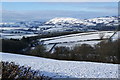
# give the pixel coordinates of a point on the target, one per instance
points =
(101, 35)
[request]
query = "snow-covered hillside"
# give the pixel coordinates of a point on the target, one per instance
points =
(108, 21)
(64, 69)
(64, 20)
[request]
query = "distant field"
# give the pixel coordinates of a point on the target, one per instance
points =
(72, 40)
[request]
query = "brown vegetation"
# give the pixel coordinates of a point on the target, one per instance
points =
(105, 51)
(11, 71)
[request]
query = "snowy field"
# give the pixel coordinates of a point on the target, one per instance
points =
(65, 69)
(77, 37)
(15, 36)
(13, 28)
(11, 32)
(70, 45)
(73, 40)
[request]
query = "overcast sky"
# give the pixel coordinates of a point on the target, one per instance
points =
(17, 11)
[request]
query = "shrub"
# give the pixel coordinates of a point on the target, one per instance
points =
(107, 51)
(38, 51)
(83, 51)
(11, 71)
(62, 52)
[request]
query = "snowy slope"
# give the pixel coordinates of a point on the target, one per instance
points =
(63, 69)
(103, 19)
(77, 37)
(15, 36)
(64, 20)
(108, 21)
(68, 21)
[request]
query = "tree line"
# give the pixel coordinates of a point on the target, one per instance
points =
(105, 51)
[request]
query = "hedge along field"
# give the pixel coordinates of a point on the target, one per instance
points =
(12, 71)
(105, 51)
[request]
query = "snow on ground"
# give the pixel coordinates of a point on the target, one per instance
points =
(71, 45)
(70, 35)
(92, 43)
(54, 29)
(65, 69)
(116, 36)
(87, 22)
(13, 28)
(63, 20)
(73, 40)
(15, 36)
(77, 37)
(49, 46)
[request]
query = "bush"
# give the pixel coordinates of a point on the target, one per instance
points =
(108, 51)
(62, 52)
(11, 71)
(38, 51)
(83, 51)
